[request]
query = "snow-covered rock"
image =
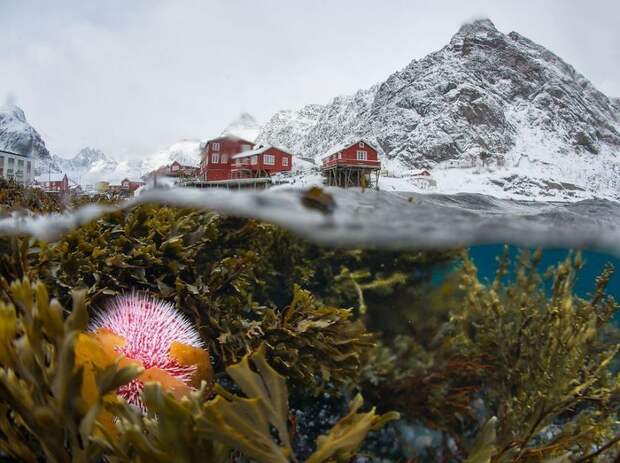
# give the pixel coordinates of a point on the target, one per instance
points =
(91, 165)
(18, 136)
(496, 107)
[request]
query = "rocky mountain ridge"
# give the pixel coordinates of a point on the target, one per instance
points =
(485, 100)
(473, 96)
(18, 136)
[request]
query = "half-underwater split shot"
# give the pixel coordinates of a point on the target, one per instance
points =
(310, 231)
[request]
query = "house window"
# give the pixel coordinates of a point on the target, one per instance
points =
(254, 160)
(285, 161)
(215, 158)
(238, 162)
(269, 159)
(216, 146)
(362, 144)
(361, 156)
(28, 168)
(246, 148)
(224, 159)
(339, 155)
(1, 166)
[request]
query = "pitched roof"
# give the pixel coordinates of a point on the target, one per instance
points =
(344, 146)
(52, 177)
(260, 150)
(231, 137)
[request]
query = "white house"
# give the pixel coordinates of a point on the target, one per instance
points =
(16, 166)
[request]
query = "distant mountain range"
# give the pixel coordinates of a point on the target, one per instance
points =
(92, 165)
(488, 113)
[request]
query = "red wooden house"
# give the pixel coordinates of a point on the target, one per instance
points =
(217, 162)
(55, 182)
(351, 164)
(263, 161)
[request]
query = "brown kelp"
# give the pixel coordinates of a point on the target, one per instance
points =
(516, 369)
(49, 409)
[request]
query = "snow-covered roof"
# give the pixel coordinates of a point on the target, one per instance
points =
(344, 146)
(260, 150)
(230, 136)
(51, 177)
(246, 154)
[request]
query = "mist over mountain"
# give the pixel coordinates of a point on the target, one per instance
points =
(245, 126)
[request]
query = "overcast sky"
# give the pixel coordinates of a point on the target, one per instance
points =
(131, 77)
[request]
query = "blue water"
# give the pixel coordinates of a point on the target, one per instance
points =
(485, 258)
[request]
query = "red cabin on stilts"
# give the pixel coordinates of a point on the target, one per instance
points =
(352, 164)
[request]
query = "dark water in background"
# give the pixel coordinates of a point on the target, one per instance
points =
(485, 258)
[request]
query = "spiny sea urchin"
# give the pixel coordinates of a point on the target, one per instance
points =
(155, 335)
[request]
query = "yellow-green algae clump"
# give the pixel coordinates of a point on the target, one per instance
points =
(506, 371)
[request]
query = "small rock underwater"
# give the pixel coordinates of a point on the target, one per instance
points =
(304, 351)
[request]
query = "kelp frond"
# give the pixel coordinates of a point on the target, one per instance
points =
(45, 407)
(52, 407)
(548, 361)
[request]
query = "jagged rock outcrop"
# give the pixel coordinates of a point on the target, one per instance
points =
(18, 136)
(484, 95)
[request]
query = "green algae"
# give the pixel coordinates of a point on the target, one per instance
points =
(505, 371)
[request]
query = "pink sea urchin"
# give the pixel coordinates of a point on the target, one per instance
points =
(158, 337)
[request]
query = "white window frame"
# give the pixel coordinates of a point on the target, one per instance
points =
(361, 145)
(215, 158)
(340, 155)
(269, 159)
(285, 161)
(224, 159)
(254, 160)
(216, 147)
(245, 148)
(362, 155)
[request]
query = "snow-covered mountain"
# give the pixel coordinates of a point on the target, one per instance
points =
(245, 126)
(489, 112)
(186, 152)
(18, 136)
(92, 165)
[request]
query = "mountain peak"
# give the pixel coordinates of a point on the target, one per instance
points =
(12, 110)
(245, 126)
(17, 135)
(89, 155)
(477, 25)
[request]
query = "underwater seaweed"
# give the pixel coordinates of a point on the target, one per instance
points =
(549, 358)
(59, 406)
(236, 279)
(516, 370)
(46, 409)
